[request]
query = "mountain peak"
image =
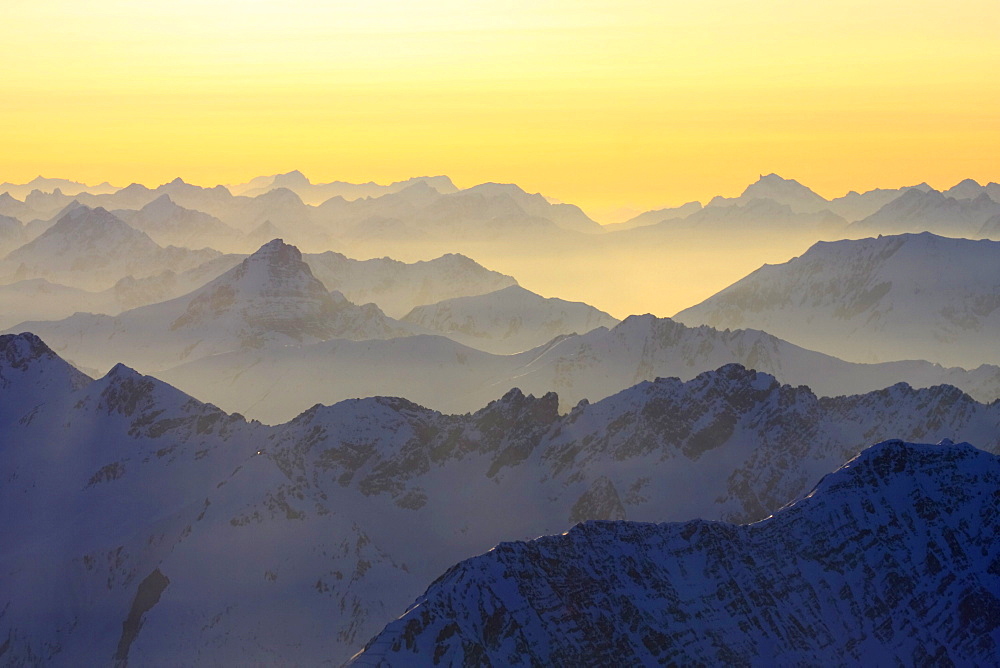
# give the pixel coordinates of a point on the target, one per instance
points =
(276, 250)
(161, 204)
(292, 179)
(18, 350)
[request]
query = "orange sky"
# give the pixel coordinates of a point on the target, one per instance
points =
(631, 103)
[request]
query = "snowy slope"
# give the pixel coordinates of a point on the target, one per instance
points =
(445, 375)
(271, 298)
(900, 297)
(182, 530)
(891, 560)
(508, 321)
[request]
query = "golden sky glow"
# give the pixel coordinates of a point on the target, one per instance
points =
(603, 104)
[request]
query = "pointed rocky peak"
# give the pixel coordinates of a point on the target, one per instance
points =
(161, 207)
(274, 268)
(272, 291)
(516, 408)
(177, 182)
(443, 184)
(26, 351)
(126, 392)
(276, 251)
(17, 351)
(781, 189)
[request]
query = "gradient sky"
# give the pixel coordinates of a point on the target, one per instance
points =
(603, 104)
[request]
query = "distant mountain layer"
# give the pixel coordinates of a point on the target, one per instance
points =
(414, 210)
(508, 321)
(445, 375)
(180, 530)
(871, 300)
(399, 287)
(930, 211)
(890, 560)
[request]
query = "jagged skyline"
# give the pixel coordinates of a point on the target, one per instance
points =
(637, 104)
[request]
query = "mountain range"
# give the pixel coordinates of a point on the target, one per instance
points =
(445, 375)
(181, 529)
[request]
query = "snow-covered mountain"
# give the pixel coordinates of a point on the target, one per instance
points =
(930, 211)
(91, 248)
(890, 560)
(270, 298)
(397, 287)
(181, 530)
(444, 375)
(912, 296)
(508, 321)
(171, 225)
(788, 192)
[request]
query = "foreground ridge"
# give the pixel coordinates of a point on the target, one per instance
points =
(892, 558)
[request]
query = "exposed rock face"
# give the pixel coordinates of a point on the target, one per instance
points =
(892, 559)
